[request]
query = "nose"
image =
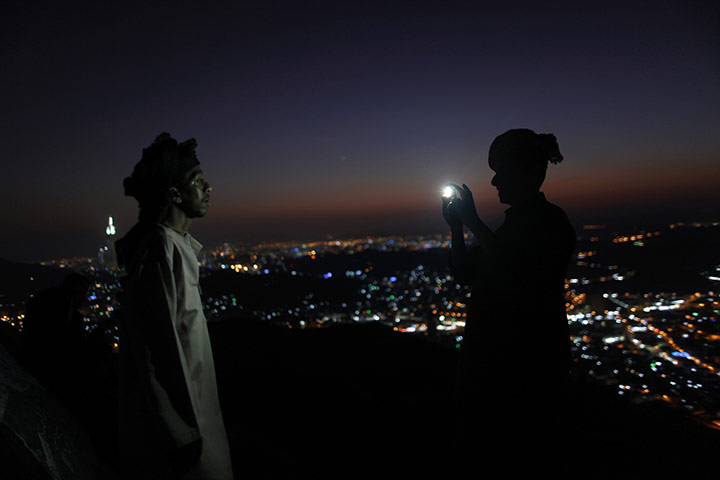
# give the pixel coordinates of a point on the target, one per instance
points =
(208, 187)
(493, 181)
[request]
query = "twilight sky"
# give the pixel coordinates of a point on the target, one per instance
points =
(341, 118)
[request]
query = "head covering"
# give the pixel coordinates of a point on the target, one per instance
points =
(524, 144)
(163, 165)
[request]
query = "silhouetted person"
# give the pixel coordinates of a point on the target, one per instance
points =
(70, 362)
(515, 353)
(170, 420)
(54, 337)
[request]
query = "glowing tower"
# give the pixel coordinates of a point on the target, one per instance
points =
(106, 255)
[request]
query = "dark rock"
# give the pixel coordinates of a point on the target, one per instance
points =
(39, 438)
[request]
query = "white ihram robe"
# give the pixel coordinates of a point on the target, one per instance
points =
(169, 396)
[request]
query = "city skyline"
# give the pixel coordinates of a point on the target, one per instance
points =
(322, 119)
(373, 326)
(643, 323)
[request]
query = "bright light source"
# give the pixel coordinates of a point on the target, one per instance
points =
(448, 192)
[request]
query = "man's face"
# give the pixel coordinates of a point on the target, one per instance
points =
(513, 179)
(195, 193)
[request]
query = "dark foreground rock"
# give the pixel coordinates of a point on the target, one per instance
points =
(39, 438)
(349, 401)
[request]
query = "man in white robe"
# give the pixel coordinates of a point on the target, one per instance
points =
(171, 425)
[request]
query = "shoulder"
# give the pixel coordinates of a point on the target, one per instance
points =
(556, 215)
(557, 228)
(157, 239)
(156, 246)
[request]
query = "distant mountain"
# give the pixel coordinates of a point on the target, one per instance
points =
(675, 261)
(19, 280)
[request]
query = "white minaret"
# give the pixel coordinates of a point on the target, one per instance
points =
(110, 229)
(107, 253)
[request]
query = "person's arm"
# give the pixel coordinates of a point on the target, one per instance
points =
(459, 211)
(458, 250)
(457, 232)
(464, 206)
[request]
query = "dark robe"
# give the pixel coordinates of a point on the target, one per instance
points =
(515, 354)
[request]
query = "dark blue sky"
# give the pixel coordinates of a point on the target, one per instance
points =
(347, 117)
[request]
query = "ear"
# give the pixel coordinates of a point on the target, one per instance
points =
(175, 196)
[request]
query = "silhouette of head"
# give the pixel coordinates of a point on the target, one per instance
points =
(519, 158)
(78, 285)
(168, 173)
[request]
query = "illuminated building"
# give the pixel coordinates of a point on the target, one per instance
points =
(106, 255)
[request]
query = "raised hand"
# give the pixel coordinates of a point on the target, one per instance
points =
(449, 213)
(463, 205)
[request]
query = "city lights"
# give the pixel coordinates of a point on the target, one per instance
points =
(644, 345)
